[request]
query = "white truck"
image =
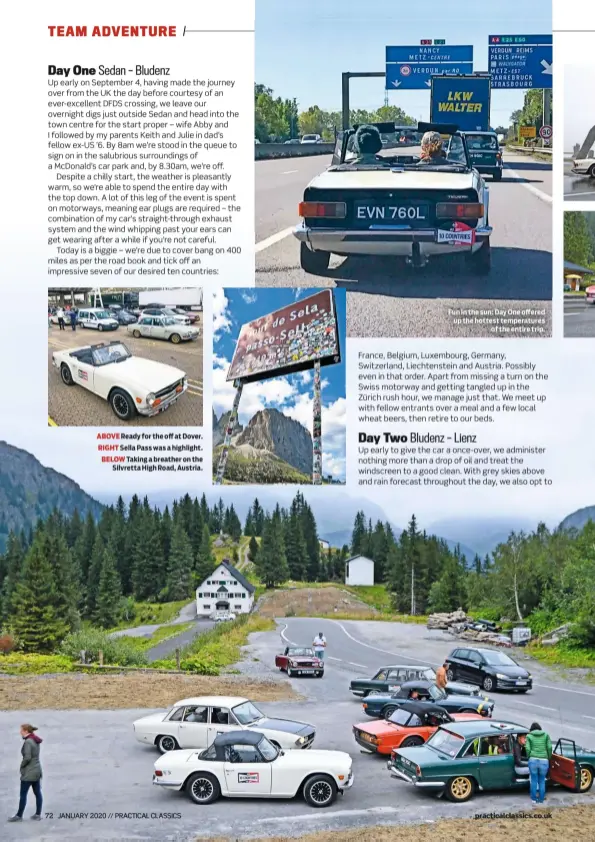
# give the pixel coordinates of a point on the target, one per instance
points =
(188, 298)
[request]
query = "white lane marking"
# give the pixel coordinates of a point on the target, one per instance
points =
(363, 666)
(330, 658)
(274, 238)
(564, 690)
(531, 705)
(288, 172)
(376, 648)
(588, 717)
(284, 636)
(523, 182)
(582, 193)
(314, 816)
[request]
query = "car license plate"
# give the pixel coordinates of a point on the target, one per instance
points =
(391, 215)
(306, 672)
(521, 682)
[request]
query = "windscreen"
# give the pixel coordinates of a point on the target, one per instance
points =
(482, 142)
(446, 742)
(110, 353)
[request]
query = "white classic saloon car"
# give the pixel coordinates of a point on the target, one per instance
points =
(397, 205)
(245, 764)
(195, 723)
(131, 385)
(163, 327)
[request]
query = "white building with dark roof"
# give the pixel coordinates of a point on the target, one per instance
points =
(226, 589)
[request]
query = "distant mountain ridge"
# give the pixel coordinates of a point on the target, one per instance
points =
(29, 491)
(579, 518)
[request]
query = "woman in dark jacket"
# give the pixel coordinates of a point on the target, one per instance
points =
(30, 772)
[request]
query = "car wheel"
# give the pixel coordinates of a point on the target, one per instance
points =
(122, 404)
(487, 683)
(451, 674)
(66, 375)
(175, 338)
(411, 741)
(586, 778)
(498, 175)
(289, 672)
(388, 711)
(100, 327)
(166, 743)
(314, 262)
(136, 334)
(320, 791)
(319, 674)
(591, 172)
(203, 788)
(459, 789)
(480, 262)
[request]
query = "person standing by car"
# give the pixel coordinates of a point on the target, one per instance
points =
(72, 315)
(60, 314)
(539, 752)
(30, 773)
(441, 678)
(319, 645)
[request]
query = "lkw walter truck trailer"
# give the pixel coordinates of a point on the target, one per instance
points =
(462, 100)
(188, 298)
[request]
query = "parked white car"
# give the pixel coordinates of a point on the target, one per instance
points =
(245, 764)
(584, 166)
(163, 327)
(396, 203)
(311, 138)
(97, 318)
(131, 385)
(194, 723)
(180, 318)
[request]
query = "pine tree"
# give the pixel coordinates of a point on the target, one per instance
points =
(271, 563)
(93, 577)
(233, 525)
(65, 571)
(310, 533)
(204, 563)
(37, 622)
(448, 593)
(252, 549)
(179, 574)
(358, 535)
(148, 575)
(296, 551)
(109, 594)
(13, 563)
(86, 548)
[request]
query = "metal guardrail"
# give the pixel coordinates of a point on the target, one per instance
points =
(542, 149)
(262, 151)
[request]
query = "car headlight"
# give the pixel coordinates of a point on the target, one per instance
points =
(499, 675)
(300, 741)
(150, 399)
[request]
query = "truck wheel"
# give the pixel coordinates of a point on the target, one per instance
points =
(314, 262)
(122, 404)
(320, 791)
(66, 375)
(480, 261)
(203, 788)
(459, 789)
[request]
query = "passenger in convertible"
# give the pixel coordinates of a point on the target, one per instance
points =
(368, 143)
(432, 151)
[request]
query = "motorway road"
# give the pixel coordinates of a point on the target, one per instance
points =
(93, 764)
(416, 303)
(579, 318)
(577, 188)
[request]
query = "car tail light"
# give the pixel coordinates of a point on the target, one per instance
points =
(418, 771)
(158, 773)
(498, 156)
(454, 210)
(328, 210)
(364, 705)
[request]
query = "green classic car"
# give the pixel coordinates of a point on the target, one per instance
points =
(465, 757)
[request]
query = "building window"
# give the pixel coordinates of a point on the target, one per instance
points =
(200, 596)
(207, 607)
(234, 581)
(238, 607)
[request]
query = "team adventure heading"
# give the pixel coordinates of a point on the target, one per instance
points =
(112, 31)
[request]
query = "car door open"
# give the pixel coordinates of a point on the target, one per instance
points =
(565, 769)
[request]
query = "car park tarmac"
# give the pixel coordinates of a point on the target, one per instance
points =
(93, 764)
(76, 406)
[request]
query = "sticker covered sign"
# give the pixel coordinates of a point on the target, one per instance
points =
(288, 340)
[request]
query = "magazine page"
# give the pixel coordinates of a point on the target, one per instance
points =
(296, 518)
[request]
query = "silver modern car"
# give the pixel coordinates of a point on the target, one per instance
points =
(163, 327)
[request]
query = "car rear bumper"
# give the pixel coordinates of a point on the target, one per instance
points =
(358, 692)
(164, 782)
(398, 243)
(365, 744)
(579, 172)
(167, 401)
(396, 773)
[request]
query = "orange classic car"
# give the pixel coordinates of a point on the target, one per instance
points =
(411, 724)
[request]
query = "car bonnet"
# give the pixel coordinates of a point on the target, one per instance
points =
(286, 725)
(144, 374)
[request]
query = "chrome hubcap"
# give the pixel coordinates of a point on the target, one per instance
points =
(120, 405)
(202, 789)
(321, 792)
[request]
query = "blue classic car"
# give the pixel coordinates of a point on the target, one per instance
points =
(384, 704)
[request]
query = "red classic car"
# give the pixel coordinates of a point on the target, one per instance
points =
(300, 660)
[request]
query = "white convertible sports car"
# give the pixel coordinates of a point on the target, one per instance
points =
(245, 764)
(194, 723)
(131, 385)
(396, 204)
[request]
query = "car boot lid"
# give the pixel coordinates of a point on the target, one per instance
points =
(386, 179)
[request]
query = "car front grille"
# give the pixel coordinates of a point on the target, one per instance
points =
(169, 389)
(309, 740)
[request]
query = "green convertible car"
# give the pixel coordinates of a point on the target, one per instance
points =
(465, 757)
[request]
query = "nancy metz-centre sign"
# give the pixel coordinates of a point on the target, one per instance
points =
(288, 340)
(521, 61)
(412, 68)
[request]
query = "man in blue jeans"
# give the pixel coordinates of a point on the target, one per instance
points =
(539, 752)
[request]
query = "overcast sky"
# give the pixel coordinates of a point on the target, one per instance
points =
(579, 95)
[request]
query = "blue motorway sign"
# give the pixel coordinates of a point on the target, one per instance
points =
(409, 68)
(520, 61)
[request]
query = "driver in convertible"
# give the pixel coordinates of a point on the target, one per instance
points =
(432, 151)
(368, 143)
